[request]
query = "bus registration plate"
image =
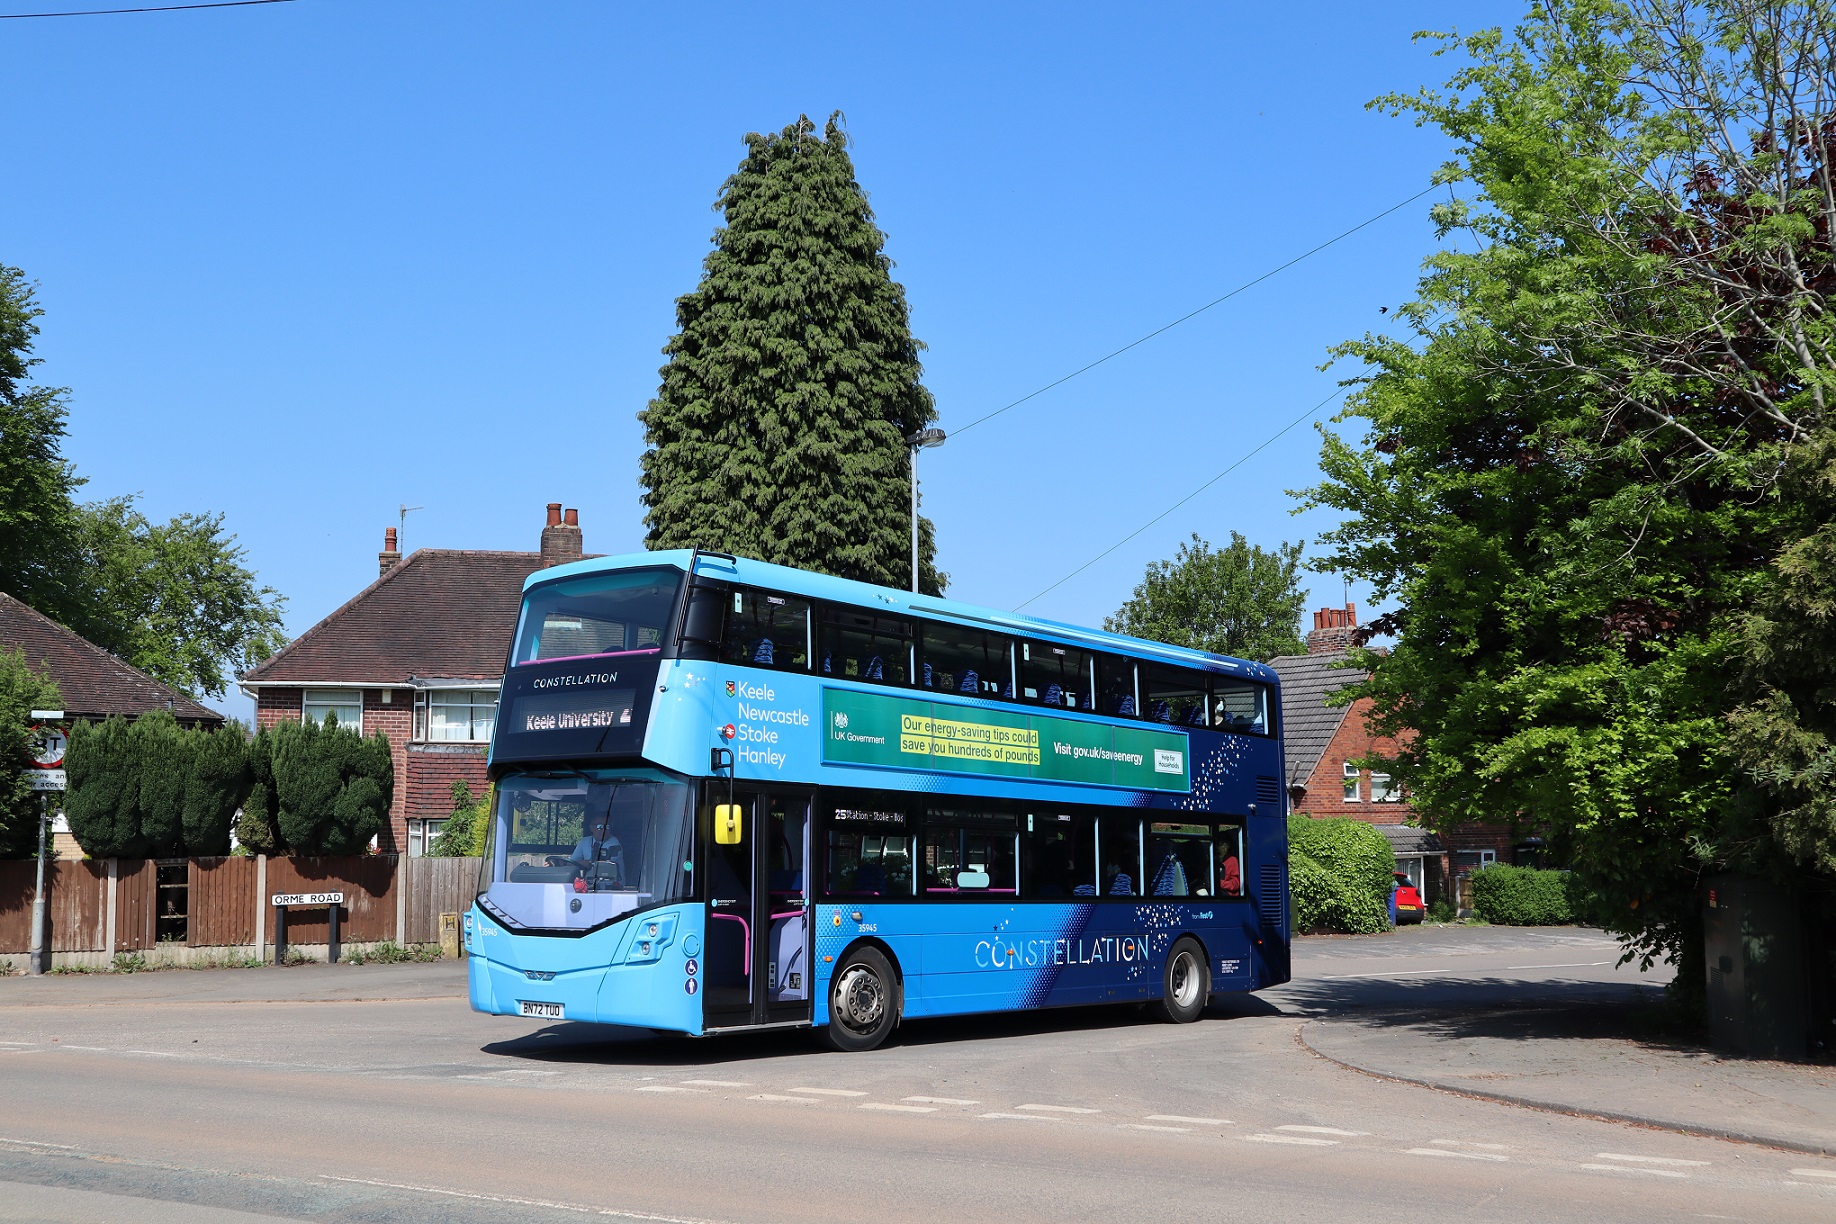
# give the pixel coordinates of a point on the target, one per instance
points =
(547, 1011)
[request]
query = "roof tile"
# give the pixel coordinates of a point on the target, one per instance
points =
(92, 682)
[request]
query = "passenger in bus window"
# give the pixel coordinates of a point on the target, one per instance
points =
(1230, 879)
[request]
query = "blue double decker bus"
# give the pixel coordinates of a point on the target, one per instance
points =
(732, 795)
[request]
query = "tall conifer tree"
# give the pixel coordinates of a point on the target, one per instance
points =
(779, 431)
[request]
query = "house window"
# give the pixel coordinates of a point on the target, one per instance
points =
(1351, 783)
(421, 836)
(347, 704)
(1382, 791)
(463, 716)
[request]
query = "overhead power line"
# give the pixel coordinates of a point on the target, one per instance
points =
(157, 8)
(1249, 284)
(1188, 497)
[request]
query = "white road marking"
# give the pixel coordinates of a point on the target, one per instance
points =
(718, 1083)
(899, 1108)
(91, 1049)
(1024, 1117)
(1322, 1130)
(612, 1212)
(62, 1147)
(1295, 1139)
(1619, 1168)
(1067, 1109)
(154, 1053)
(1813, 1173)
(941, 1100)
(841, 1092)
(1177, 1130)
(1490, 1147)
(1656, 1160)
(1441, 1151)
(18, 1043)
(772, 1096)
(1571, 965)
(1390, 973)
(665, 1088)
(1194, 1121)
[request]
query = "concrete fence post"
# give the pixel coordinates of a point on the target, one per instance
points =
(114, 891)
(261, 901)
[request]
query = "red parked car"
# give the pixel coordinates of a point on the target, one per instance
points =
(1409, 907)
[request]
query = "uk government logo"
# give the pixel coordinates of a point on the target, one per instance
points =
(841, 722)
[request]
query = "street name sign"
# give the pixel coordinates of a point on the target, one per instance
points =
(336, 898)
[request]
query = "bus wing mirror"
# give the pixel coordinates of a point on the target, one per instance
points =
(727, 824)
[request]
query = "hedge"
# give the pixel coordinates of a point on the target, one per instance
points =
(1522, 896)
(1340, 873)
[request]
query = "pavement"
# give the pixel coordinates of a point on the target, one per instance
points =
(1457, 1009)
(361, 1093)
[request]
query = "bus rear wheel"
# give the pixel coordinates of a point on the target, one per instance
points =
(863, 1001)
(1187, 984)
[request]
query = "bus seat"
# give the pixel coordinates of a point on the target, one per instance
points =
(1197, 717)
(927, 675)
(972, 683)
(1163, 712)
(1126, 709)
(761, 653)
(876, 670)
(870, 878)
(1054, 695)
(825, 663)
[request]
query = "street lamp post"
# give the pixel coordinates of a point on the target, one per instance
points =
(918, 442)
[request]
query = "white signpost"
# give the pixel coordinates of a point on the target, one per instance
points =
(48, 744)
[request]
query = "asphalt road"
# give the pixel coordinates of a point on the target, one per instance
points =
(162, 1098)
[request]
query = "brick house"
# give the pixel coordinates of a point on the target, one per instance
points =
(417, 655)
(1322, 742)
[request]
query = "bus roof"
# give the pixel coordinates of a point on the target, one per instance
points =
(866, 595)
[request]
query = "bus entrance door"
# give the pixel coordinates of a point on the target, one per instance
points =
(757, 967)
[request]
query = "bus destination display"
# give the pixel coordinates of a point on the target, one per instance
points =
(574, 711)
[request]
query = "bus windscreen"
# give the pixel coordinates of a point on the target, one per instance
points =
(596, 614)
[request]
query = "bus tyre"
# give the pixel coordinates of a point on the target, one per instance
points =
(863, 1001)
(1187, 984)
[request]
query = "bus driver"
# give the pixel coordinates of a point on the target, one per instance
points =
(600, 846)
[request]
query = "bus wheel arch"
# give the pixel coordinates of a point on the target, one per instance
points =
(866, 997)
(1185, 982)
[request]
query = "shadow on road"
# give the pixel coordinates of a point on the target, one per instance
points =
(615, 1045)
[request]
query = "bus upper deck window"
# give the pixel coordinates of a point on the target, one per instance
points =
(1116, 693)
(968, 662)
(1239, 706)
(767, 630)
(597, 614)
(1062, 676)
(1173, 695)
(860, 646)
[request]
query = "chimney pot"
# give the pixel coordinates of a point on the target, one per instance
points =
(390, 554)
(561, 541)
(1332, 629)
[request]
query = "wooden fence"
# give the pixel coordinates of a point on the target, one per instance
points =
(97, 908)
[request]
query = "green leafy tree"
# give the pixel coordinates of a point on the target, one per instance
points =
(332, 787)
(1582, 472)
(1242, 601)
(102, 771)
(176, 599)
(22, 690)
(779, 431)
(218, 781)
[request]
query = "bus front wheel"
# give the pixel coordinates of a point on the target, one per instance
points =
(863, 1001)
(1187, 984)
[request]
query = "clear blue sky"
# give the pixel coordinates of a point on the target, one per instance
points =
(305, 262)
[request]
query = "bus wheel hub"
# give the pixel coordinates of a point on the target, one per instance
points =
(861, 997)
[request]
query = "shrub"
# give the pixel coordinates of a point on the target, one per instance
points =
(1522, 896)
(332, 787)
(463, 835)
(153, 788)
(388, 952)
(256, 829)
(1340, 873)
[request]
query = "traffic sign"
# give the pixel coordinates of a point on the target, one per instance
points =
(48, 746)
(46, 779)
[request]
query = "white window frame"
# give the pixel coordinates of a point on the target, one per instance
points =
(1382, 791)
(1354, 779)
(422, 833)
(426, 699)
(324, 700)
